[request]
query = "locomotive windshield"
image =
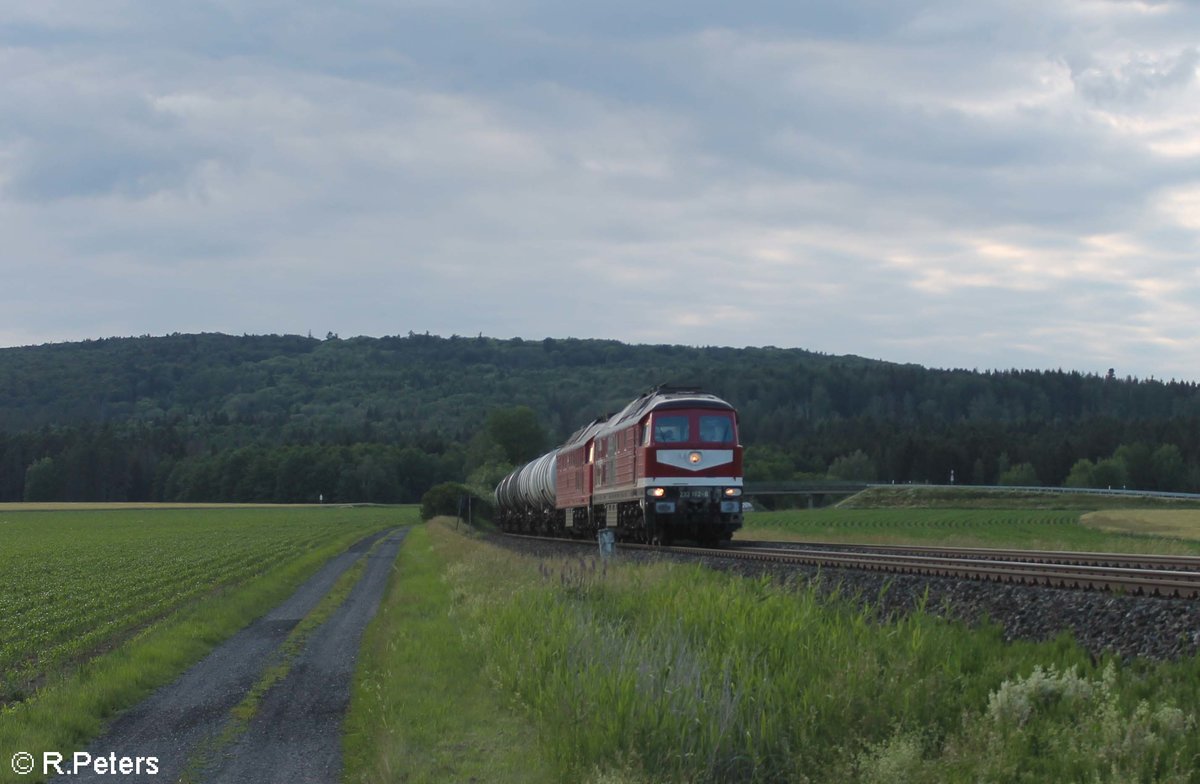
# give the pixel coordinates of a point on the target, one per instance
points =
(693, 427)
(716, 429)
(670, 429)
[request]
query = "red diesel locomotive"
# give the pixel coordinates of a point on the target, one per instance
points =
(668, 466)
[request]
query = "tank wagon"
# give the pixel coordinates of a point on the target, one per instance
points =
(667, 466)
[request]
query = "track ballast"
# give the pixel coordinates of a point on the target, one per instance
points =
(1125, 573)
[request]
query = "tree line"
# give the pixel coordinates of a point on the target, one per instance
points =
(290, 418)
(106, 466)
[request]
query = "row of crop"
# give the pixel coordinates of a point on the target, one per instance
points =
(72, 583)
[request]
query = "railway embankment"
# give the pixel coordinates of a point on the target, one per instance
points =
(665, 666)
(1101, 622)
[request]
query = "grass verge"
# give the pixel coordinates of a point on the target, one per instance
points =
(421, 709)
(675, 673)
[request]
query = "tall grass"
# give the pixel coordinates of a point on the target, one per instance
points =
(677, 673)
(420, 710)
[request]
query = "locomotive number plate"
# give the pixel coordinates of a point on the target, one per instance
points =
(702, 493)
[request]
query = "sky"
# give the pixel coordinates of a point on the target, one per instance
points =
(990, 184)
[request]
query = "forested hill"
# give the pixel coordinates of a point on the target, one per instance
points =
(200, 417)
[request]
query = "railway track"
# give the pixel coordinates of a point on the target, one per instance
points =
(1133, 574)
(1131, 560)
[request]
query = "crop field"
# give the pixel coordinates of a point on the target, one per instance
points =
(74, 584)
(1028, 528)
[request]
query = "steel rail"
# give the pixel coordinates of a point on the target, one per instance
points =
(1083, 557)
(1159, 582)
(1064, 575)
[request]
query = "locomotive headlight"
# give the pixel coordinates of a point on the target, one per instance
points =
(733, 492)
(656, 492)
(695, 457)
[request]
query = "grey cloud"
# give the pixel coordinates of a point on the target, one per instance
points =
(1136, 80)
(83, 165)
(81, 131)
(1042, 166)
(795, 174)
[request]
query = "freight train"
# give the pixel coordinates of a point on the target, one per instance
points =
(668, 466)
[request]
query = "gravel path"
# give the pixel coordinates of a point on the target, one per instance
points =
(295, 736)
(177, 720)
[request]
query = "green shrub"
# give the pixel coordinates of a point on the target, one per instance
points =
(443, 499)
(451, 498)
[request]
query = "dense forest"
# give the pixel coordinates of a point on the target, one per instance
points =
(292, 418)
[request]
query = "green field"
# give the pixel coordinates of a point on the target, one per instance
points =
(73, 583)
(1167, 523)
(1048, 529)
(490, 666)
(101, 605)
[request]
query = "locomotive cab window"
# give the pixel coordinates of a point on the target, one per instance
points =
(716, 429)
(670, 429)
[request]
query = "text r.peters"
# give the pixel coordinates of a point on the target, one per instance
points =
(112, 765)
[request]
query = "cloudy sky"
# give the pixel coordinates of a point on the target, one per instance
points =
(983, 184)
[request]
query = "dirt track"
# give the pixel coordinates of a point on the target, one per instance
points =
(295, 735)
